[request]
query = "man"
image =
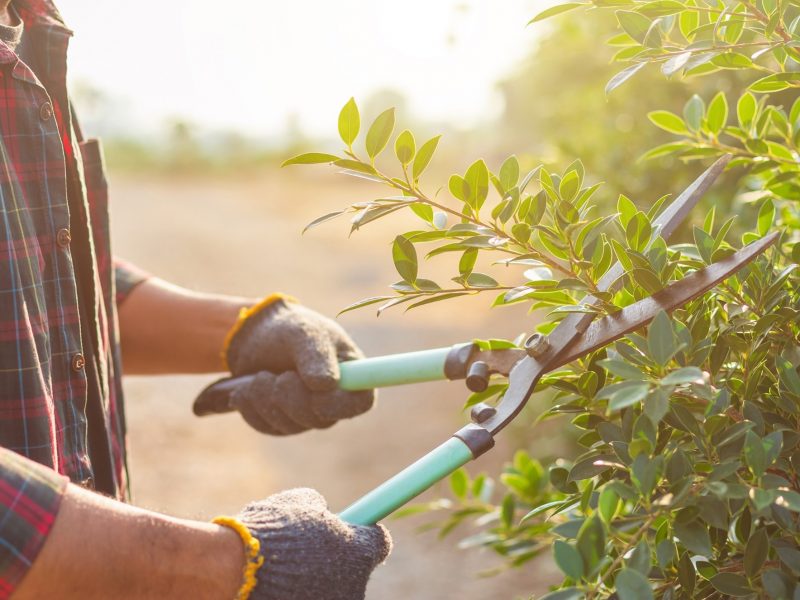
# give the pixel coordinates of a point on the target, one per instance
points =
(65, 304)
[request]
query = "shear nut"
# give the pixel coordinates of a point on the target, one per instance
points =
(478, 376)
(536, 345)
(482, 412)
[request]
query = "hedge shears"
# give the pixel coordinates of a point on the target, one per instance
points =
(578, 334)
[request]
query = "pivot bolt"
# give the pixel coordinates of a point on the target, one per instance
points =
(482, 412)
(536, 345)
(478, 376)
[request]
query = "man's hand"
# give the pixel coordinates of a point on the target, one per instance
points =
(310, 553)
(296, 353)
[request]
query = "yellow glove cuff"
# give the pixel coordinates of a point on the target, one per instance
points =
(246, 313)
(251, 554)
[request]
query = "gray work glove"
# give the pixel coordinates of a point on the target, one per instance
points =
(296, 353)
(310, 553)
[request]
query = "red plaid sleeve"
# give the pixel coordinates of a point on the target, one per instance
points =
(127, 277)
(30, 495)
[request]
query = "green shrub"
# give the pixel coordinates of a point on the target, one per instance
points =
(687, 485)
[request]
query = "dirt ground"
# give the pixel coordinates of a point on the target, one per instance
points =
(241, 235)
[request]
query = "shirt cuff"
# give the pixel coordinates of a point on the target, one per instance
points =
(127, 277)
(30, 495)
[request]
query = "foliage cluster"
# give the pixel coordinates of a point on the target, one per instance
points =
(687, 485)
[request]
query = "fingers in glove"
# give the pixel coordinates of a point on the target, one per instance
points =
(303, 498)
(315, 358)
(293, 398)
(377, 539)
(342, 404)
(261, 406)
(253, 418)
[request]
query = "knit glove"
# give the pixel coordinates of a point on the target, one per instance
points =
(308, 552)
(296, 353)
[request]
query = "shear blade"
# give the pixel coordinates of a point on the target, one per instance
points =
(527, 372)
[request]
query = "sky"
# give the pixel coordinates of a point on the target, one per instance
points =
(249, 65)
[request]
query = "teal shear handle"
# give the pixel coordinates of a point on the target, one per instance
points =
(361, 374)
(467, 444)
(408, 484)
(395, 369)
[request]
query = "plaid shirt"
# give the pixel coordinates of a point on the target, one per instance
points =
(60, 393)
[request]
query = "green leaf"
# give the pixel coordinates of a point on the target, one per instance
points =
(459, 187)
(467, 262)
(507, 510)
(608, 504)
(683, 375)
(694, 537)
(509, 173)
(647, 472)
(755, 553)
(349, 122)
(693, 112)
(746, 110)
(405, 147)
(705, 245)
(717, 115)
(620, 368)
(481, 280)
(688, 22)
(568, 559)
(436, 298)
(790, 557)
(668, 122)
(379, 133)
(731, 584)
(591, 543)
(424, 155)
(775, 83)
(477, 178)
(568, 188)
(637, 232)
(766, 215)
(635, 25)
(355, 165)
(364, 302)
(623, 76)
(323, 219)
(676, 63)
(459, 481)
(661, 343)
(555, 10)
(626, 209)
(405, 258)
(754, 454)
(788, 375)
(632, 585)
(310, 158)
(631, 394)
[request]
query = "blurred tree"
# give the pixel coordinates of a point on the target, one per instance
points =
(554, 111)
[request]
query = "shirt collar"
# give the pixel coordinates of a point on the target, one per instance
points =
(40, 13)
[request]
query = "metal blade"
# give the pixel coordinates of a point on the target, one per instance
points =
(611, 328)
(526, 373)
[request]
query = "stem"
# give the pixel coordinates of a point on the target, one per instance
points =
(422, 197)
(620, 557)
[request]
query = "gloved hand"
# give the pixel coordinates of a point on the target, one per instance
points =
(308, 552)
(296, 352)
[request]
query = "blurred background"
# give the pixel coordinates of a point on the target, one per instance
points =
(199, 102)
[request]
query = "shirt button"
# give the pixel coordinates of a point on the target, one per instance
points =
(63, 237)
(78, 362)
(46, 111)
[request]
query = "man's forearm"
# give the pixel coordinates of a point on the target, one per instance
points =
(168, 329)
(100, 548)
